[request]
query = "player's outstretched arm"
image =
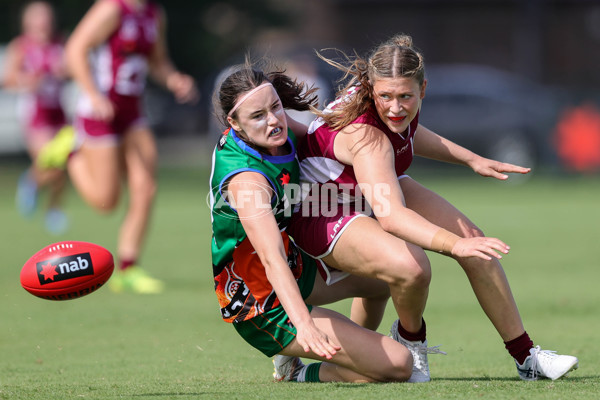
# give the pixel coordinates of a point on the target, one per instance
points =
(164, 72)
(371, 154)
(496, 169)
(431, 145)
(253, 204)
(14, 76)
(101, 20)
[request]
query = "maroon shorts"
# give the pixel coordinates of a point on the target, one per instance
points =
(127, 116)
(41, 124)
(317, 235)
(47, 118)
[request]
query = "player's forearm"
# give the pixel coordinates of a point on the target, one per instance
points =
(160, 72)
(455, 154)
(17, 81)
(431, 145)
(14, 77)
(79, 68)
(281, 278)
(11, 77)
(408, 225)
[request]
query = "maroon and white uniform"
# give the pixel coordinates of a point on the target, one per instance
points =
(42, 109)
(316, 226)
(120, 67)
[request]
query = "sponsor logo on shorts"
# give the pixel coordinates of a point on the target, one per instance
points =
(64, 268)
(336, 227)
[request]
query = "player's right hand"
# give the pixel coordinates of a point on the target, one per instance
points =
(102, 108)
(482, 247)
(312, 338)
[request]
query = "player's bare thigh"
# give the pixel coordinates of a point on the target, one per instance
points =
(351, 286)
(38, 138)
(436, 209)
(35, 141)
(365, 249)
(97, 170)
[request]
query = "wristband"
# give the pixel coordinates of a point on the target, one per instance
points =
(443, 241)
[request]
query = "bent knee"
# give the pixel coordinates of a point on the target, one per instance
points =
(104, 199)
(399, 371)
(414, 271)
(399, 374)
(106, 204)
(144, 189)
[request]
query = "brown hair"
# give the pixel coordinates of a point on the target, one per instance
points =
(392, 59)
(293, 94)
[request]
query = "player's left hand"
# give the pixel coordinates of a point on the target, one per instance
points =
(482, 247)
(496, 169)
(183, 87)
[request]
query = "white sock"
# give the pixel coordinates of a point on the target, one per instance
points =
(301, 377)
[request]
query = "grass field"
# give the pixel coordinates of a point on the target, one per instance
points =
(175, 346)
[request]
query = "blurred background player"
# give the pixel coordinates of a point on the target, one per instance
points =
(110, 53)
(34, 66)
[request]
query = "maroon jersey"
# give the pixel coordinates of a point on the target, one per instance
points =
(318, 164)
(120, 68)
(42, 107)
(331, 198)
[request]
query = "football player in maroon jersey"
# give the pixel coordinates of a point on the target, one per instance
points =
(365, 141)
(34, 66)
(110, 53)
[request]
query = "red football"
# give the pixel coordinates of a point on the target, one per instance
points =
(67, 270)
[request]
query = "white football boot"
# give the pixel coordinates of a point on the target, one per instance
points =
(286, 368)
(419, 351)
(545, 364)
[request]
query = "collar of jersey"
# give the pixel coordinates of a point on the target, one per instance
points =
(273, 159)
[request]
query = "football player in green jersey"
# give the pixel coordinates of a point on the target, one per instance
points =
(267, 288)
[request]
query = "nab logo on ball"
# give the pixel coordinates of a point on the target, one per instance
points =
(67, 270)
(64, 268)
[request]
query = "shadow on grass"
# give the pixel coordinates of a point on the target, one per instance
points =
(570, 379)
(515, 379)
(478, 379)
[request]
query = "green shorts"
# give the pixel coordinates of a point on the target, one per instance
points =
(272, 331)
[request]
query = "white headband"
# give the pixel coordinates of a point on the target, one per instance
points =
(245, 97)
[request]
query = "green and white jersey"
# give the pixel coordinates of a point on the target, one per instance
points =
(241, 286)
